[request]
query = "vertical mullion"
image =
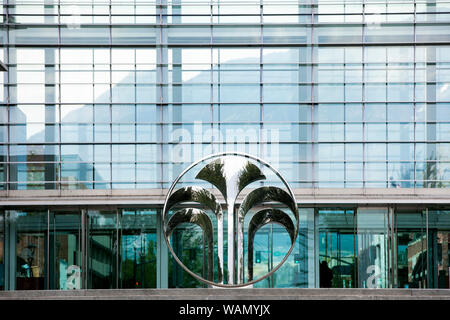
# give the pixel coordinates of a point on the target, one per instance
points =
(389, 248)
(313, 125)
(394, 250)
(161, 101)
(83, 250)
(298, 64)
(58, 99)
(345, 124)
(415, 98)
(93, 124)
(135, 115)
(211, 90)
(271, 254)
(159, 85)
(8, 100)
(355, 247)
(117, 245)
(427, 256)
(386, 132)
(223, 144)
(387, 219)
(363, 94)
(316, 247)
(260, 146)
(47, 262)
(110, 99)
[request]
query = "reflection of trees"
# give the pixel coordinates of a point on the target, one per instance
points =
(189, 241)
(140, 272)
(404, 177)
(432, 173)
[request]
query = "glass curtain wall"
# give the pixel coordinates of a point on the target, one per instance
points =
(106, 94)
(365, 247)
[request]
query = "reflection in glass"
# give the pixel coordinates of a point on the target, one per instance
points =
(337, 246)
(84, 34)
(65, 251)
(102, 249)
(263, 256)
(31, 250)
(438, 247)
(189, 245)
(411, 249)
(138, 249)
(33, 35)
(270, 245)
(373, 252)
(2, 262)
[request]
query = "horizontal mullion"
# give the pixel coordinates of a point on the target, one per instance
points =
(256, 122)
(160, 5)
(227, 142)
(222, 83)
(224, 45)
(314, 161)
(242, 14)
(36, 162)
(281, 24)
(305, 102)
(386, 65)
(217, 2)
(165, 104)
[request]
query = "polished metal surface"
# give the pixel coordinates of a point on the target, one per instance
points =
(199, 218)
(260, 219)
(230, 173)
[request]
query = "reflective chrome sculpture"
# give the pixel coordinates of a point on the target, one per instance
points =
(230, 174)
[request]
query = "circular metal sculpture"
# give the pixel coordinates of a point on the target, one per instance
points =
(230, 173)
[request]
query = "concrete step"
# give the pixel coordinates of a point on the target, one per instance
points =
(230, 294)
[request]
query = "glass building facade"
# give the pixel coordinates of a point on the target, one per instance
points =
(108, 101)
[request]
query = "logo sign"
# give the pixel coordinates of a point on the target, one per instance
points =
(253, 194)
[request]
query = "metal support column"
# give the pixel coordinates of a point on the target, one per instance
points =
(84, 255)
(10, 251)
(162, 258)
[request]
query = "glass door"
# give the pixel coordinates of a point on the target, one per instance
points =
(337, 246)
(438, 248)
(138, 249)
(263, 257)
(188, 243)
(411, 248)
(31, 249)
(373, 248)
(65, 253)
(102, 250)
